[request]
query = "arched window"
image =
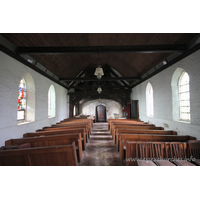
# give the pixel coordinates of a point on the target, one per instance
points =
(21, 113)
(26, 100)
(51, 102)
(184, 96)
(74, 111)
(149, 100)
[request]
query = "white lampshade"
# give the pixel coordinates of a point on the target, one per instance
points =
(99, 90)
(99, 72)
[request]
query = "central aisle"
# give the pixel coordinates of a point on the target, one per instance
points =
(100, 150)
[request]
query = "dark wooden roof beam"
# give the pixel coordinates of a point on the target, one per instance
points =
(102, 79)
(95, 87)
(102, 49)
(175, 60)
(118, 76)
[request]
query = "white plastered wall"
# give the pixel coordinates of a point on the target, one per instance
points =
(112, 107)
(162, 92)
(11, 71)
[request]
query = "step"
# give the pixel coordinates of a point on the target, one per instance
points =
(100, 137)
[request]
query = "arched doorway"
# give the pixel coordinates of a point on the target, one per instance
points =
(100, 113)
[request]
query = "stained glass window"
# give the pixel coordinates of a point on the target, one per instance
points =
(184, 95)
(21, 100)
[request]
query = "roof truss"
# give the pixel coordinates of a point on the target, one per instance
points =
(102, 49)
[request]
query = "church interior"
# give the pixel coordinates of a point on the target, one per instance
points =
(100, 99)
(93, 93)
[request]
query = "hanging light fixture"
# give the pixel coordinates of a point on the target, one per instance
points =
(99, 72)
(99, 90)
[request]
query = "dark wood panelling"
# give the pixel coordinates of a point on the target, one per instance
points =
(96, 39)
(130, 64)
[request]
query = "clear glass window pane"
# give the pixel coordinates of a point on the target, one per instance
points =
(149, 100)
(184, 96)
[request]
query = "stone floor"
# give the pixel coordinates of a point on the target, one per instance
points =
(100, 149)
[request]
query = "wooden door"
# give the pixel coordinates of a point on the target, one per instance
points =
(134, 109)
(101, 113)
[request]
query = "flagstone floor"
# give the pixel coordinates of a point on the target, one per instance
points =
(100, 149)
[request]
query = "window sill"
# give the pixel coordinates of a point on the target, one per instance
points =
(187, 122)
(22, 123)
(150, 116)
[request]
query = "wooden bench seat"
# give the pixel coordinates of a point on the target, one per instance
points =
(52, 140)
(52, 131)
(72, 126)
(74, 123)
(194, 151)
(178, 153)
(128, 124)
(142, 154)
(125, 123)
(110, 121)
(139, 154)
(159, 153)
(148, 138)
(114, 126)
(88, 123)
(141, 131)
(81, 123)
(63, 155)
(149, 127)
(66, 128)
(146, 163)
(75, 120)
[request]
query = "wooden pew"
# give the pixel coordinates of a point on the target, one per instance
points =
(52, 140)
(156, 153)
(148, 138)
(114, 125)
(160, 152)
(125, 121)
(178, 152)
(128, 124)
(138, 154)
(132, 127)
(74, 124)
(194, 151)
(63, 155)
(89, 122)
(52, 131)
(141, 131)
(66, 128)
(110, 121)
(78, 120)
